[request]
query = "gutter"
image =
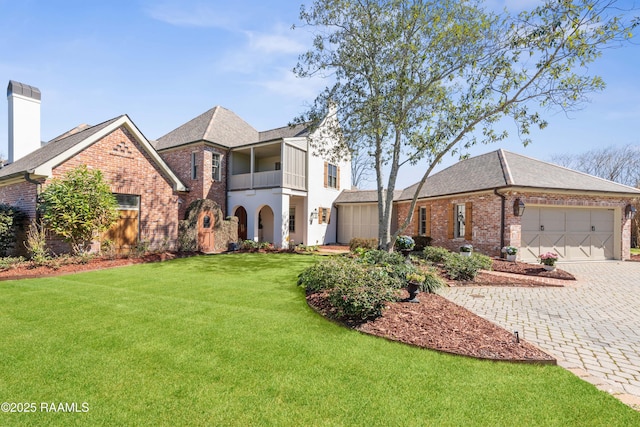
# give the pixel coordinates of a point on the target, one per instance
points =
(503, 200)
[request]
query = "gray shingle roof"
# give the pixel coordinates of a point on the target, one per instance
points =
(284, 132)
(501, 168)
(361, 196)
(49, 151)
(218, 125)
(224, 127)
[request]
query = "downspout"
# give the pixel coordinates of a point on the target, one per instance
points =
(226, 183)
(503, 202)
(38, 184)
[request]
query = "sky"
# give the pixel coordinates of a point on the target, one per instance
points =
(164, 62)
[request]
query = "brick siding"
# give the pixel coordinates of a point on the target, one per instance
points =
(486, 218)
(203, 187)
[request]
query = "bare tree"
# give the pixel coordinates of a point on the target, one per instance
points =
(361, 167)
(618, 164)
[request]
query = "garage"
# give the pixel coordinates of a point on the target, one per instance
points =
(575, 234)
(357, 221)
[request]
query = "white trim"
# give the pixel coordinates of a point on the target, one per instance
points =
(46, 169)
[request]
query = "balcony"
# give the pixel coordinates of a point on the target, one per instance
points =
(270, 166)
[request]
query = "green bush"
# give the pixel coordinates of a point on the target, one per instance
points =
(358, 242)
(361, 303)
(466, 268)
(10, 218)
(7, 263)
(329, 273)
(432, 282)
(421, 242)
(392, 264)
(36, 243)
(436, 254)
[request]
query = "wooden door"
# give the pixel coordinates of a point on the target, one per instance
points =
(205, 232)
(124, 233)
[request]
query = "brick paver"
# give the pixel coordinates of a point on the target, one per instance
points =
(591, 326)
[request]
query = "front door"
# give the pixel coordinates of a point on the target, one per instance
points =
(205, 232)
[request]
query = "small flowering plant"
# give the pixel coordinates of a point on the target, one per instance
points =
(510, 250)
(405, 243)
(549, 258)
(466, 248)
(415, 277)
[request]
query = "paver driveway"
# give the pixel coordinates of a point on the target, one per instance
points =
(591, 325)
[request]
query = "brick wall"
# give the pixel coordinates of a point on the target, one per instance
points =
(203, 187)
(130, 170)
(486, 218)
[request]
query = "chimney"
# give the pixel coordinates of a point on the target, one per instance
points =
(24, 119)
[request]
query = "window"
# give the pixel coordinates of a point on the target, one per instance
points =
(331, 176)
(460, 219)
(278, 166)
(324, 215)
(422, 221)
(194, 166)
(127, 202)
(215, 167)
(292, 219)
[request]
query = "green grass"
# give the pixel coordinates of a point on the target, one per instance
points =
(635, 251)
(229, 340)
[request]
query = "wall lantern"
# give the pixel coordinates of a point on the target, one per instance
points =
(630, 211)
(314, 215)
(518, 207)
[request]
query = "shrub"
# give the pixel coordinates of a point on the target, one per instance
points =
(466, 268)
(358, 242)
(360, 301)
(405, 243)
(36, 243)
(9, 262)
(10, 218)
(329, 273)
(432, 282)
(392, 264)
(78, 206)
(436, 254)
(421, 242)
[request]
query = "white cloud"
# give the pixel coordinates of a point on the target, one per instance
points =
(274, 43)
(191, 15)
(286, 84)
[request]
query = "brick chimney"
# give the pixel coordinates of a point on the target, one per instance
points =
(24, 119)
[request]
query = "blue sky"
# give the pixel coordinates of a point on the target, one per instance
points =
(165, 62)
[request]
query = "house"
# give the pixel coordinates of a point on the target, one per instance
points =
(280, 191)
(145, 188)
(272, 181)
(502, 198)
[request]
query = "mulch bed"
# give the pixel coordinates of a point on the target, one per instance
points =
(27, 271)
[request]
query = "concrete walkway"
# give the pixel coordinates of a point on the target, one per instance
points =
(591, 326)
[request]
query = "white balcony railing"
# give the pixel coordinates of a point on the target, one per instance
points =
(270, 179)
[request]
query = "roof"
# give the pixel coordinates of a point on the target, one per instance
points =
(294, 131)
(43, 160)
(217, 125)
(500, 168)
(51, 150)
(361, 196)
(224, 127)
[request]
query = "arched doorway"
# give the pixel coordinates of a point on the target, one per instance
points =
(241, 214)
(265, 224)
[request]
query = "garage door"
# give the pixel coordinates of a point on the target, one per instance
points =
(574, 234)
(357, 221)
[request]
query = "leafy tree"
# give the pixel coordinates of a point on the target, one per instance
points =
(78, 206)
(416, 79)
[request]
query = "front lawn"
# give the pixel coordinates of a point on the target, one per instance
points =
(229, 340)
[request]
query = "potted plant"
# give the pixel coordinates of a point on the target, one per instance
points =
(511, 252)
(414, 282)
(405, 244)
(548, 260)
(465, 250)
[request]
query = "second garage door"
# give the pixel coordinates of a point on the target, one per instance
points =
(575, 234)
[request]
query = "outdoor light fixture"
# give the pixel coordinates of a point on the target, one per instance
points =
(518, 207)
(630, 211)
(314, 215)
